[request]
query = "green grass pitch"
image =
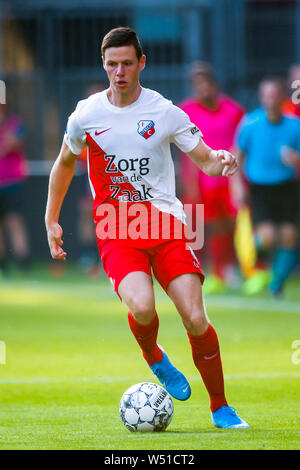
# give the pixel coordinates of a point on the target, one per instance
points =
(70, 356)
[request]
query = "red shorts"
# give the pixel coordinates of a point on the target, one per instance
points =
(167, 260)
(218, 204)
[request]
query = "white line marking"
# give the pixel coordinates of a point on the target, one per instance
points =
(48, 380)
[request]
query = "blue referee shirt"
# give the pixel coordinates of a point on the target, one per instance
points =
(264, 142)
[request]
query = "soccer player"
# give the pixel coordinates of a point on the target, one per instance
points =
(128, 130)
(217, 115)
(269, 142)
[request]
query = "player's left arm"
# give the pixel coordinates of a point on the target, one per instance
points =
(214, 162)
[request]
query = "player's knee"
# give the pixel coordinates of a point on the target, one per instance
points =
(196, 322)
(268, 236)
(143, 309)
(288, 236)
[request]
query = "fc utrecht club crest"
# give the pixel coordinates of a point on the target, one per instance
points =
(146, 128)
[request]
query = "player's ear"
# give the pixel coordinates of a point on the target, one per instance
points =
(142, 62)
(103, 62)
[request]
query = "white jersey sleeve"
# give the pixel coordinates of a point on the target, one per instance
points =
(75, 136)
(182, 131)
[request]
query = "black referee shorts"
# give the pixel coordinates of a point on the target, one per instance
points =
(277, 204)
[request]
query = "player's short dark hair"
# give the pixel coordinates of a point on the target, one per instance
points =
(123, 36)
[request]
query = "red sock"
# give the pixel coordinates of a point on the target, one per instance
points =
(146, 336)
(207, 359)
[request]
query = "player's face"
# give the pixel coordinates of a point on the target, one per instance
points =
(271, 96)
(123, 68)
(294, 74)
(205, 89)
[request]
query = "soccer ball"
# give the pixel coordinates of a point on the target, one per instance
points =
(146, 407)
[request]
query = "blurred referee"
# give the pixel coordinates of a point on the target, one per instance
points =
(270, 144)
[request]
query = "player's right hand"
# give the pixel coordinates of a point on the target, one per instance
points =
(54, 233)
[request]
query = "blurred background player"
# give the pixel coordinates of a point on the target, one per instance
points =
(218, 116)
(270, 144)
(13, 174)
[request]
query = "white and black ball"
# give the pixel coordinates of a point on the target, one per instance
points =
(146, 407)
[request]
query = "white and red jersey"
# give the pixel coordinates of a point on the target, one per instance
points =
(129, 157)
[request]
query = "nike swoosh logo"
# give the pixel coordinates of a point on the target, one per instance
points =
(185, 389)
(101, 132)
(211, 357)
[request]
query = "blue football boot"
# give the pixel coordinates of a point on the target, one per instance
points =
(171, 379)
(226, 418)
